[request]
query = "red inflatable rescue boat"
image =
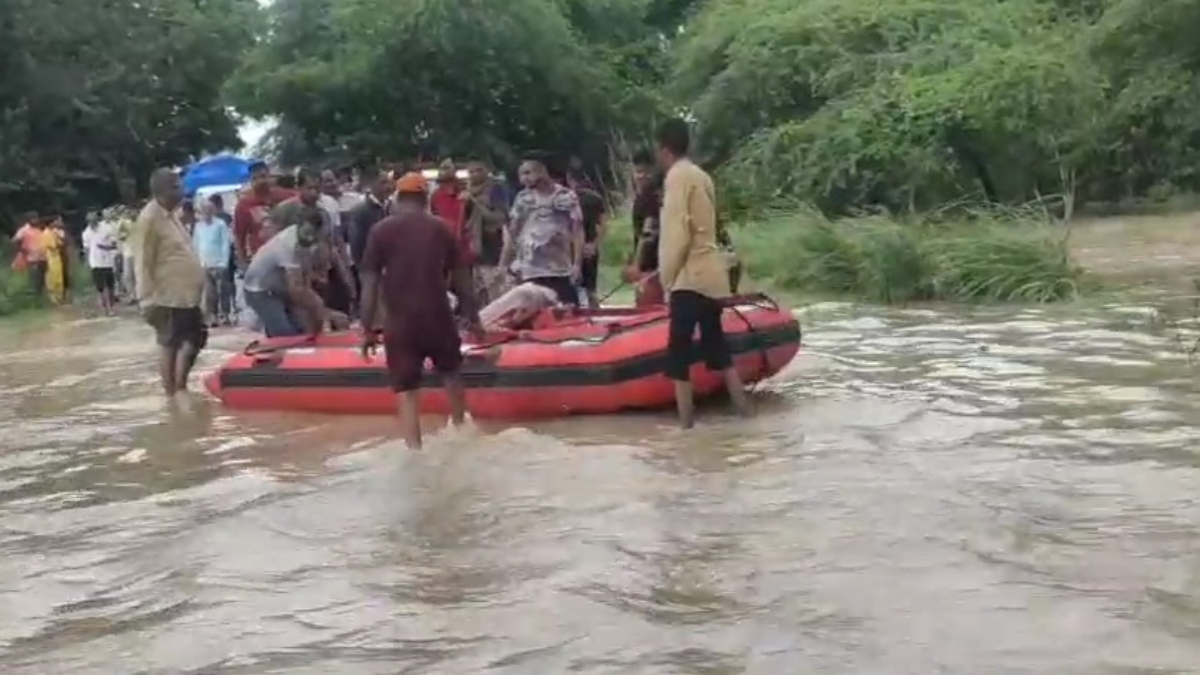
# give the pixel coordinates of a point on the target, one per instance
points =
(569, 363)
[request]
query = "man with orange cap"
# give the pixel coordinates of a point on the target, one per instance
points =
(413, 255)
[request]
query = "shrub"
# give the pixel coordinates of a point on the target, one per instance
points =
(15, 294)
(885, 260)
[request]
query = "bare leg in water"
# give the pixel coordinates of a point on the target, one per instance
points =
(410, 410)
(685, 398)
(167, 360)
(410, 418)
(458, 399)
(185, 360)
(737, 392)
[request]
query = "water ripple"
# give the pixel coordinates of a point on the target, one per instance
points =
(992, 491)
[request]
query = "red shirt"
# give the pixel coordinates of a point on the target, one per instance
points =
(250, 216)
(445, 203)
(413, 255)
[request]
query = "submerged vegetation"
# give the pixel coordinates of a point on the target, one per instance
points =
(851, 106)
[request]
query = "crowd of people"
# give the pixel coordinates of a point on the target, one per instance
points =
(44, 253)
(415, 261)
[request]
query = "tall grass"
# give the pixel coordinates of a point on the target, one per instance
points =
(16, 296)
(977, 257)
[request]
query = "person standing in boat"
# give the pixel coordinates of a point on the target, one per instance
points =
(409, 257)
(276, 286)
(486, 206)
(693, 271)
(642, 266)
(546, 237)
(594, 210)
(378, 186)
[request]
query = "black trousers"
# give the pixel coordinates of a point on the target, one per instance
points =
(690, 311)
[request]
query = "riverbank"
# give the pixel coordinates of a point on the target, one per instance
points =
(882, 260)
(991, 258)
(17, 299)
(878, 259)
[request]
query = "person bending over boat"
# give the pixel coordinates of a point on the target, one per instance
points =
(546, 238)
(276, 285)
(412, 255)
(693, 271)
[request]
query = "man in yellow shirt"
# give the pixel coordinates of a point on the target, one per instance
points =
(693, 272)
(170, 281)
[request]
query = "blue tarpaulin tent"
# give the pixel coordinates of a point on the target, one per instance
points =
(216, 171)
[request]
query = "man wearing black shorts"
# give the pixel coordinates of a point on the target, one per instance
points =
(170, 282)
(592, 205)
(693, 271)
(100, 247)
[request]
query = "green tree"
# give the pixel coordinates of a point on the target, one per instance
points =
(97, 93)
(459, 77)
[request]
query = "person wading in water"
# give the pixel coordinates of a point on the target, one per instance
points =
(694, 272)
(409, 257)
(170, 282)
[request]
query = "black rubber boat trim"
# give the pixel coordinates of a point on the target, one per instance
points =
(478, 374)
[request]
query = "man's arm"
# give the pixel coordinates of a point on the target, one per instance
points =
(145, 256)
(462, 282)
(578, 237)
(512, 234)
(241, 235)
(226, 237)
(675, 232)
(87, 237)
(601, 224)
(369, 271)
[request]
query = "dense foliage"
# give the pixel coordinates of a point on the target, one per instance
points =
(844, 104)
(95, 93)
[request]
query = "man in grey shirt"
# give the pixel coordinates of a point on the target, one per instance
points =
(275, 283)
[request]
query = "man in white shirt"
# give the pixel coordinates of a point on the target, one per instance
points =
(100, 242)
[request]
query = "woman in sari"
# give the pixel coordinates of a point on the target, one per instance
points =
(53, 243)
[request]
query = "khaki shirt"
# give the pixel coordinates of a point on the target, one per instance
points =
(689, 258)
(168, 272)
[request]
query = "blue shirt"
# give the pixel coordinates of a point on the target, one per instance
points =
(212, 240)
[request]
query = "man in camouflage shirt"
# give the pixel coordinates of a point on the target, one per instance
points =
(546, 239)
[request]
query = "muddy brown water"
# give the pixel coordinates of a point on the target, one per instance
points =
(992, 492)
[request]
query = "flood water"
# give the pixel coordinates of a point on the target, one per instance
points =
(993, 492)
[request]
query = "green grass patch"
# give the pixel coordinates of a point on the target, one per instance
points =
(16, 296)
(981, 258)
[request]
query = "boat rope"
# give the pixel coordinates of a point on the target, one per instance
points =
(759, 300)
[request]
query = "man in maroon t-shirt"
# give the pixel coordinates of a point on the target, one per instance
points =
(412, 255)
(250, 214)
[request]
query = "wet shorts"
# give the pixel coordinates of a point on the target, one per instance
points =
(408, 343)
(689, 311)
(104, 279)
(174, 326)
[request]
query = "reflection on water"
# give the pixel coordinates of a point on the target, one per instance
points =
(924, 492)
